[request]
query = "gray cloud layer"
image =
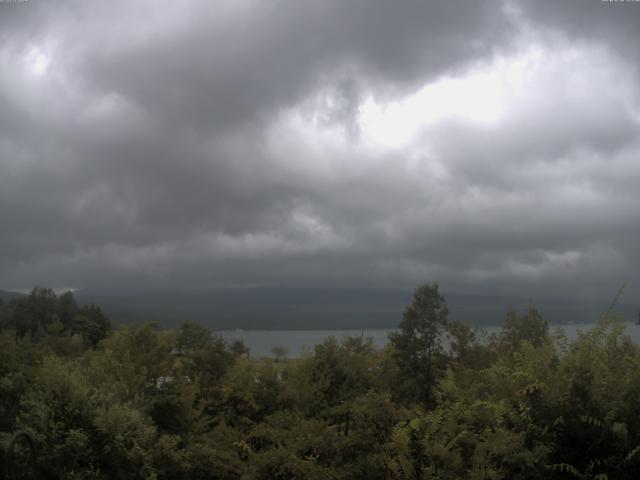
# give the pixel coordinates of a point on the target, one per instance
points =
(493, 146)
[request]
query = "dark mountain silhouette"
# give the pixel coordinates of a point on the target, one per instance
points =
(6, 296)
(306, 308)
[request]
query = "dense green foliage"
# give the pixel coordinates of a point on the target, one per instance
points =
(440, 401)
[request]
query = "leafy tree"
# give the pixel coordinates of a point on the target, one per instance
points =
(239, 349)
(19, 361)
(463, 337)
(279, 352)
(469, 347)
(174, 407)
(530, 327)
(91, 323)
(335, 374)
(59, 409)
(209, 364)
(33, 313)
(417, 344)
(192, 336)
(42, 313)
(216, 454)
(596, 429)
(66, 309)
(4, 314)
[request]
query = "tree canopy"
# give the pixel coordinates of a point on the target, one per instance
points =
(441, 400)
(417, 343)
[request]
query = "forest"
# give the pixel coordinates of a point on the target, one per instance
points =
(143, 402)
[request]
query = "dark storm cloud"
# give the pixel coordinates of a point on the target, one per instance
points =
(216, 143)
(220, 69)
(614, 24)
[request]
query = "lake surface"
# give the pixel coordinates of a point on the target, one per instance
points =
(297, 341)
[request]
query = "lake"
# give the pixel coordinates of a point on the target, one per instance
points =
(296, 341)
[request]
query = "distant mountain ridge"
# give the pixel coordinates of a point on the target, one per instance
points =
(276, 308)
(306, 308)
(6, 296)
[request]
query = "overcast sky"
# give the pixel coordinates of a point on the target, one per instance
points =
(491, 146)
